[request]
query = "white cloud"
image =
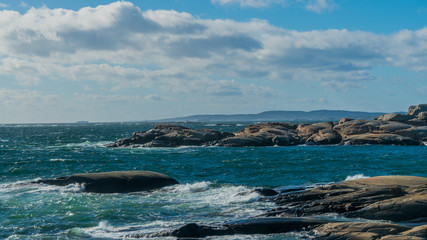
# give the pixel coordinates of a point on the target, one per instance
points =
(319, 6)
(24, 100)
(118, 45)
(3, 5)
(153, 97)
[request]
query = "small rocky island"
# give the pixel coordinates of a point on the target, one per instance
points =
(388, 129)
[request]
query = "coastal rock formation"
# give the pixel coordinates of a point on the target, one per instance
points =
(115, 182)
(400, 199)
(246, 226)
(169, 135)
(393, 198)
(392, 128)
(264, 134)
(369, 230)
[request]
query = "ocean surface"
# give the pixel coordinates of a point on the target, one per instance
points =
(216, 183)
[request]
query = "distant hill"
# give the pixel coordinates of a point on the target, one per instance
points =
(317, 115)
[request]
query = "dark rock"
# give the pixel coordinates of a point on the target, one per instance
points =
(415, 110)
(115, 182)
(247, 226)
(422, 116)
(169, 135)
(267, 192)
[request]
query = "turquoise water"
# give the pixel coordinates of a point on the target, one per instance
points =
(216, 182)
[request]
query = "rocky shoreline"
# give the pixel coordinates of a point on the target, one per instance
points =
(383, 207)
(388, 129)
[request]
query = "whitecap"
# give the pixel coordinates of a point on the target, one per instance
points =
(355, 177)
(106, 230)
(190, 188)
(59, 160)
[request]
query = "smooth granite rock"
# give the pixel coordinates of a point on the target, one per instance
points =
(264, 134)
(368, 230)
(393, 198)
(115, 182)
(388, 129)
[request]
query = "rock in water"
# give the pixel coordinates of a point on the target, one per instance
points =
(115, 182)
(393, 198)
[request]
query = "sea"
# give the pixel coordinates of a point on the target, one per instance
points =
(217, 183)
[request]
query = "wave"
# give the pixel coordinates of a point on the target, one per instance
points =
(355, 177)
(30, 187)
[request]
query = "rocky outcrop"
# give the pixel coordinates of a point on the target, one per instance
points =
(264, 134)
(246, 226)
(369, 230)
(115, 182)
(416, 116)
(400, 199)
(393, 128)
(393, 198)
(169, 135)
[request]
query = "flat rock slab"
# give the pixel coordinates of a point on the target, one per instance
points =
(369, 230)
(115, 182)
(393, 198)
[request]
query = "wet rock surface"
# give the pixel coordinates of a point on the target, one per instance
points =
(393, 198)
(385, 207)
(115, 182)
(389, 129)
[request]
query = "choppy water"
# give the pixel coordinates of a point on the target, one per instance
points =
(217, 182)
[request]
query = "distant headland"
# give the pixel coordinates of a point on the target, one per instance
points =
(388, 129)
(317, 115)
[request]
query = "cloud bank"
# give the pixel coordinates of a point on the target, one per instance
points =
(121, 46)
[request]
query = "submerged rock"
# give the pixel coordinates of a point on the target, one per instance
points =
(115, 182)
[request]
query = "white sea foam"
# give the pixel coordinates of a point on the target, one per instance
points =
(190, 188)
(106, 230)
(88, 144)
(59, 160)
(355, 177)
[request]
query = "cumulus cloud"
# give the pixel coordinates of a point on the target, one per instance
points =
(174, 52)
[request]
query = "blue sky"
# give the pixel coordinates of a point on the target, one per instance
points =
(64, 61)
